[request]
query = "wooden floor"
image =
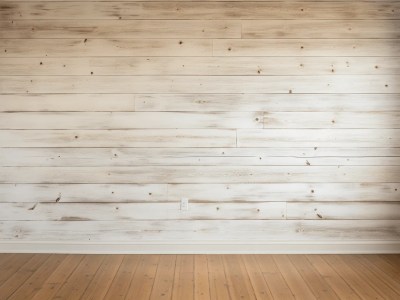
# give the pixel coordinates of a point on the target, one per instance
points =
(46, 276)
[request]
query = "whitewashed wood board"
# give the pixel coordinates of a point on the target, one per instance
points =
(200, 174)
(141, 211)
(132, 120)
(344, 211)
(202, 84)
(262, 66)
(200, 231)
(85, 157)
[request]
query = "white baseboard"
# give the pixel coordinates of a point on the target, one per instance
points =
(207, 247)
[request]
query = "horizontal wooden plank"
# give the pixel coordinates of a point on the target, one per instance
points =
(104, 47)
(199, 10)
(141, 211)
(200, 174)
(329, 192)
(223, 230)
(261, 66)
(201, 102)
(318, 138)
(254, 192)
(119, 138)
(202, 84)
(91, 157)
(350, 29)
(306, 47)
(261, 102)
(130, 120)
(67, 102)
(83, 193)
(347, 211)
(137, 29)
(330, 120)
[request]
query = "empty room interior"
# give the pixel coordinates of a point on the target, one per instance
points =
(199, 149)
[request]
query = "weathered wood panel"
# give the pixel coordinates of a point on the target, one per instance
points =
(278, 120)
(214, 230)
(199, 174)
(119, 138)
(104, 47)
(347, 210)
(266, 102)
(137, 29)
(141, 211)
(86, 157)
(263, 66)
(201, 84)
(131, 120)
(199, 10)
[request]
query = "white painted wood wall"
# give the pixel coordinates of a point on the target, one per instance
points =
(278, 120)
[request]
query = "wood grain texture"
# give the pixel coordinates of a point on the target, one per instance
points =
(277, 120)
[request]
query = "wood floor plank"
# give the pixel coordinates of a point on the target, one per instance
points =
(77, 283)
(217, 278)
(256, 277)
(122, 280)
(57, 279)
(337, 283)
(296, 283)
(40, 275)
(201, 278)
(184, 278)
(143, 279)
(370, 278)
(314, 280)
(101, 282)
(13, 265)
(352, 278)
(22, 274)
(273, 277)
(239, 284)
(164, 280)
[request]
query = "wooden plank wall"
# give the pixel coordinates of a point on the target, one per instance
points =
(278, 120)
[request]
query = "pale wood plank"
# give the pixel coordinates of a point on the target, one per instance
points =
(142, 211)
(201, 278)
(57, 279)
(200, 174)
(197, 230)
(264, 102)
(305, 47)
(329, 275)
(202, 84)
(164, 278)
(348, 210)
(96, 157)
(86, 47)
(138, 29)
(262, 66)
(122, 279)
(143, 279)
(120, 138)
(147, 120)
(200, 10)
